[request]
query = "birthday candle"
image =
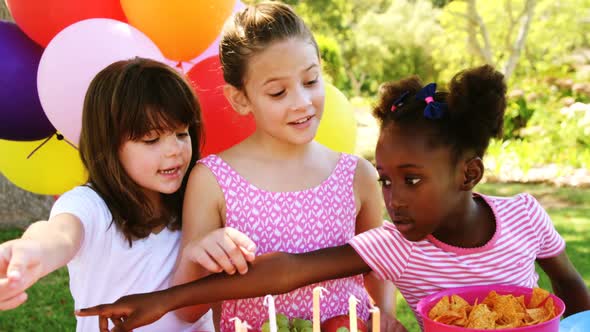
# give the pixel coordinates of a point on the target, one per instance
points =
(245, 327)
(352, 301)
(376, 315)
(272, 315)
(237, 324)
(317, 293)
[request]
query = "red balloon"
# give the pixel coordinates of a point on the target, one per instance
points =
(42, 20)
(224, 127)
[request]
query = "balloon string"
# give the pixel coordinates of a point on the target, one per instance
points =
(40, 145)
(59, 137)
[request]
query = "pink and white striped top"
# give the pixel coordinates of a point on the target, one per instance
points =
(294, 222)
(524, 232)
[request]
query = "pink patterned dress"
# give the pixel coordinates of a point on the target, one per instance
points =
(295, 222)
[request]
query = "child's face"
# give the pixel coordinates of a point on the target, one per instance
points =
(285, 90)
(419, 183)
(158, 161)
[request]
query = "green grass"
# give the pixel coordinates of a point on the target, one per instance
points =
(50, 306)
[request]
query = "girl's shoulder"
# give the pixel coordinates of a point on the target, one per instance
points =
(83, 195)
(520, 200)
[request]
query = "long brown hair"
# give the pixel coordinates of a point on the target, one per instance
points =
(252, 30)
(125, 101)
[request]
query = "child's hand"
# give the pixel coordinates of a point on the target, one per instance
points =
(224, 249)
(20, 267)
(127, 313)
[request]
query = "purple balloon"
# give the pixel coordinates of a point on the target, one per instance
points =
(21, 115)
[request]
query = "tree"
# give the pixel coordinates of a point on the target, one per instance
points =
(519, 37)
(4, 13)
(479, 39)
(394, 44)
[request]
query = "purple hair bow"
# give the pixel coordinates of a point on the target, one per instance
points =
(434, 109)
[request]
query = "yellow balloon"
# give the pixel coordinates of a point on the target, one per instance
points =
(182, 29)
(51, 170)
(338, 125)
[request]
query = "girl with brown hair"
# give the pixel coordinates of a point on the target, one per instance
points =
(119, 233)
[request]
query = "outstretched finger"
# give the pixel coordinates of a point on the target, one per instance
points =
(243, 241)
(13, 302)
(17, 264)
(101, 310)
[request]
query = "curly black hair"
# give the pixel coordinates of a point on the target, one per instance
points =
(476, 102)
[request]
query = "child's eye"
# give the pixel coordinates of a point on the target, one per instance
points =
(151, 141)
(384, 182)
(278, 94)
(312, 82)
(412, 180)
(182, 135)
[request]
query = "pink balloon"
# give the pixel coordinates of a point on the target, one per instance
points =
(72, 59)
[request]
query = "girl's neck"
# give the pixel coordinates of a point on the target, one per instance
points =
(471, 224)
(274, 148)
(157, 204)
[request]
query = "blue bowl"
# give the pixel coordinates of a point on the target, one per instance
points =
(579, 322)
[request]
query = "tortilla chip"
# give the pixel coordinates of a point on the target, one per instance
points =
(481, 317)
(538, 297)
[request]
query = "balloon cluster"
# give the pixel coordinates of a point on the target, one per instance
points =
(55, 49)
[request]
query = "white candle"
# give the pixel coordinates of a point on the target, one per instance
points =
(245, 327)
(317, 294)
(237, 324)
(272, 314)
(352, 301)
(376, 315)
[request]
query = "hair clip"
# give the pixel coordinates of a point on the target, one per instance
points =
(434, 109)
(399, 101)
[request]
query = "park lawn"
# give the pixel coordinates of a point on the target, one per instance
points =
(50, 306)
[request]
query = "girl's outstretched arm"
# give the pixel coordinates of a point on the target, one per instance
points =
(44, 247)
(273, 273)
(567, 283)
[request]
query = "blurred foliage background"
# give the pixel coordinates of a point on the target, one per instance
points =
(542, 46)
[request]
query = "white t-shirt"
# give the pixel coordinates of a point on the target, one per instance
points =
(106, 268)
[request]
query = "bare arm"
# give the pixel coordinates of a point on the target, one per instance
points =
(207, 247)
(200, 216)
(273, 273)
(44, 247)
(370, 202)
(567, 283)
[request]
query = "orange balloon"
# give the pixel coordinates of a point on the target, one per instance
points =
(182, 29)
